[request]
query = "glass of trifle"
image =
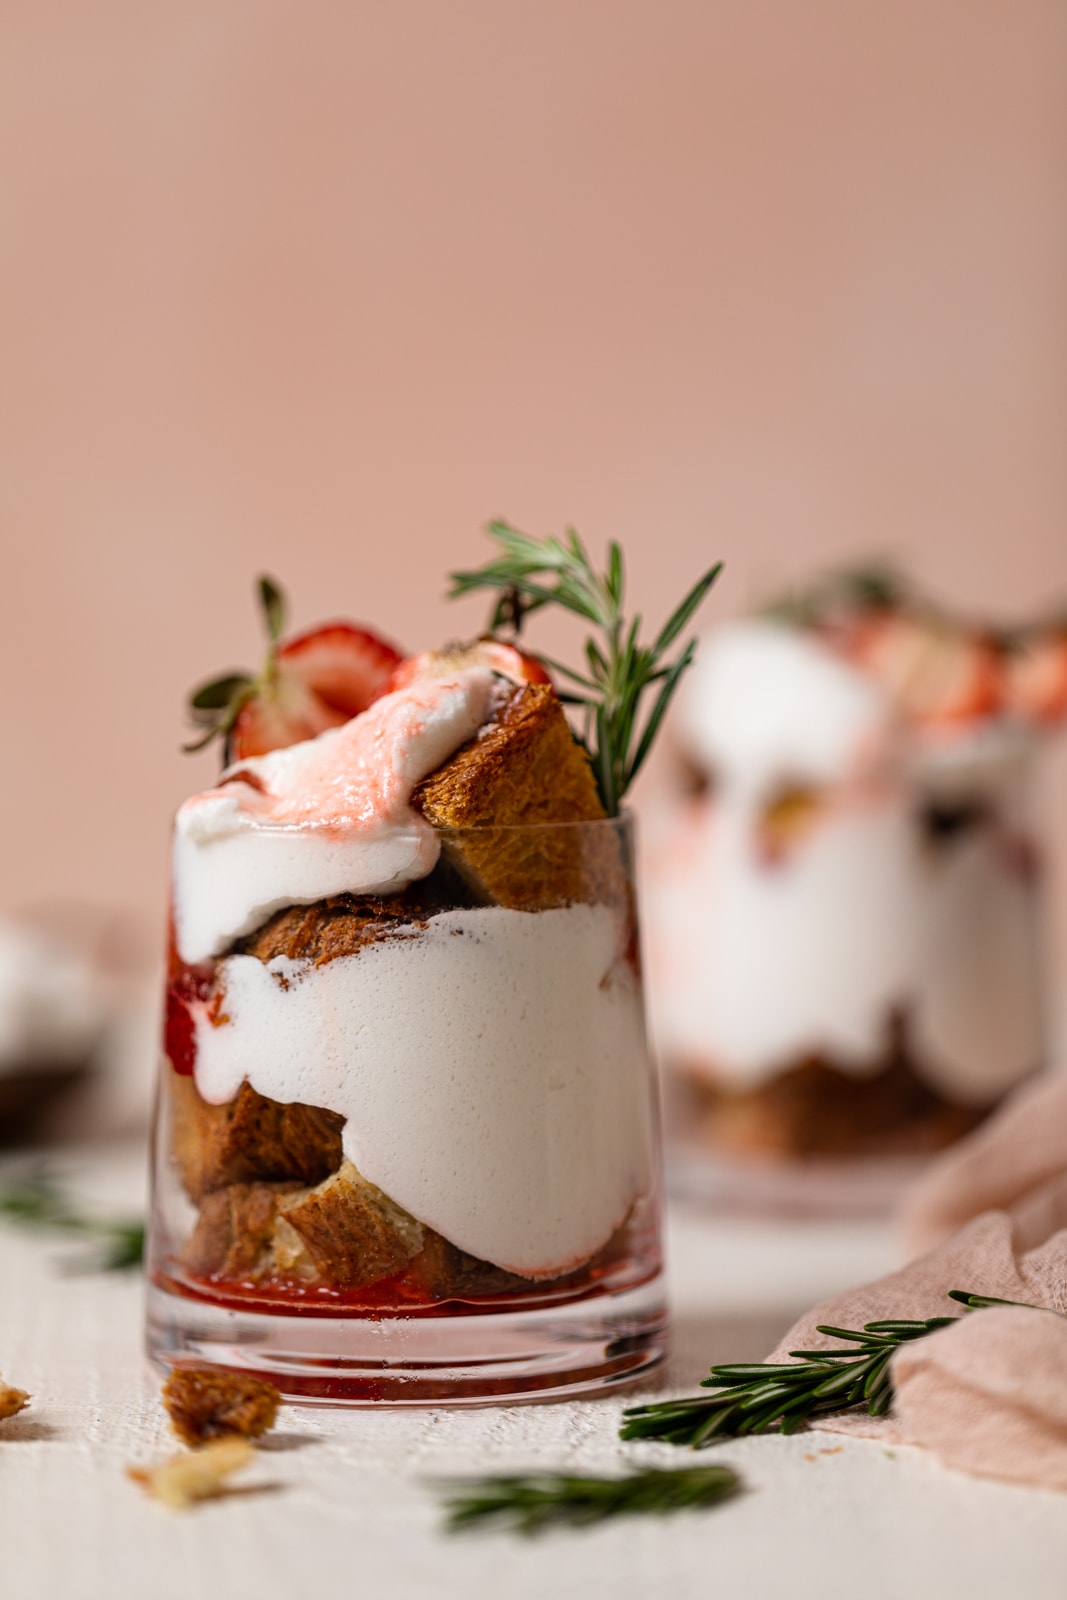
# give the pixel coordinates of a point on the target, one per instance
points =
(843, 904)
(406, 1143)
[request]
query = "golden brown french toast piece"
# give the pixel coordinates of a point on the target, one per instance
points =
(448, 1272)
(354, 1234)
(12, 1400)
(204, 1404)
(345, 1233)
(814, 1109)
(249, 1139)
(339, 926)
(525, 768)
(235, 1232)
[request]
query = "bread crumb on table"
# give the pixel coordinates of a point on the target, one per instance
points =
(205, 1404)
(194, 1474)
(12, 1401)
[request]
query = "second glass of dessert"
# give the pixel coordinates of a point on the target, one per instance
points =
(844, 904)
(407, 1145)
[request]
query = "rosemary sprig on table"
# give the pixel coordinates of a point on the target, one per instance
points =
(619, 670)
(36, 1202)
(756, 1397)
(765, 1397)
(531, 1502)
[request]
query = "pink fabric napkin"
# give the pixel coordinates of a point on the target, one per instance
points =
(988, 1394)
(1016, 1162)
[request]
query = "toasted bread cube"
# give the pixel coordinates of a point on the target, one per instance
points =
(204, 1403)
(448, 1272)
(12, 1400)
(249, 1139)
(523, 769)
(235, 1232)
(354, 1234)
(340, 925)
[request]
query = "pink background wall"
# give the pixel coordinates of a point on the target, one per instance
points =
(318, 289)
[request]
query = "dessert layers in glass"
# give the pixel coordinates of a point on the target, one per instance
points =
(843, 919)
(406, 1142)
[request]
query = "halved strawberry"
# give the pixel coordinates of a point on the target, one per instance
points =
(310, 683)
(280, 712)
(506, 659)
(937, 674)
(344, 665)
(1037, 676)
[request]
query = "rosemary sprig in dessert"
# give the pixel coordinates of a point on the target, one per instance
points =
(531, 1502)
(766, 1397)
(873, 586)
(531, 573)
(36, 1202)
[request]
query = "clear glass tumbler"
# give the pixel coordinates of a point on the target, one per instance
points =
(407, 1147)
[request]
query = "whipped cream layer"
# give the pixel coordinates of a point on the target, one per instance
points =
(330, 815)
(766, 705)
(757, 967)
(758, 964)
(491, 1068)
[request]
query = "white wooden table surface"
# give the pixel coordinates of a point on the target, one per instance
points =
(340, 1499)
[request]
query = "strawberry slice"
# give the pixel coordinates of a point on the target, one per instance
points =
(319, 680)
(345, 666)
(506, 659)
(279, 714)
(938, 675)
(309, 683)
(1037, 677)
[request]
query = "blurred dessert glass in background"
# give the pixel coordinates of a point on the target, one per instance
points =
(52, 1016)
(843, 899)
(78, 991)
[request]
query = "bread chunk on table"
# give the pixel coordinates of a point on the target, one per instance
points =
(12, 1400)
(204, 1403)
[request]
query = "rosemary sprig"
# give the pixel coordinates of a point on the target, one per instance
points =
(881, 586)
(619, 670)
(531, 1502)
(764, 1397)
(36, 1202)
(875, 586)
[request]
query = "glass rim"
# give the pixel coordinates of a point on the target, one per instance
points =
(625, 818)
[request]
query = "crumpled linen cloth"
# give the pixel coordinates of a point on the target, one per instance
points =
(987, 1395)
(1015, 1162)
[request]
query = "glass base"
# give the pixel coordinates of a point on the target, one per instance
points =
(868, 1187)
(471, 1358)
